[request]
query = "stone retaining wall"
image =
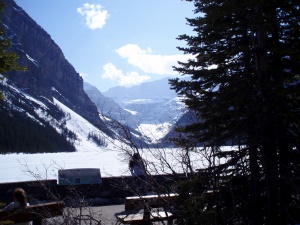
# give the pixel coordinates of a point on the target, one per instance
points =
(111, 190)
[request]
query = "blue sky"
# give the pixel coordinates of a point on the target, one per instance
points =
(116, 42)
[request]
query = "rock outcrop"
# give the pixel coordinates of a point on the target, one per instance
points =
(49, 75)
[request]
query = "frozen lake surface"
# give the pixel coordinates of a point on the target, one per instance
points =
(26, 167)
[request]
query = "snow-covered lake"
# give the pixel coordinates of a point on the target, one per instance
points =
(29, 167)
(26, 167)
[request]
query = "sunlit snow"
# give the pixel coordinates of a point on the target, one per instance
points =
(111, 160)
(32, 60)
(132, 112)
(154, 131)
(20, 167)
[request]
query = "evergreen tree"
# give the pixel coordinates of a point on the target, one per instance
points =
(244, 88)
(7, 57)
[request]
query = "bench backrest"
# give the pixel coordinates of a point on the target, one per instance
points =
(33, 212)
(154, 201)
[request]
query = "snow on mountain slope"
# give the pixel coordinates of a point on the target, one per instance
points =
(107, 106)
(154, 131)
(82, 128)
(64, 120)
(154, 107)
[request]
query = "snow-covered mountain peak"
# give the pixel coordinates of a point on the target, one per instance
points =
(153, 107)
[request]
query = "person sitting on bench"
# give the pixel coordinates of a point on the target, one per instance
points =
(20, 201)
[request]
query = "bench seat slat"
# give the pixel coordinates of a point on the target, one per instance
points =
(154, 201)
(33, 212)
(154, 216)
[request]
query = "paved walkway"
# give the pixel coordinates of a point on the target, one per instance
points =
(107, 213)
(104, 213)
(89, 215)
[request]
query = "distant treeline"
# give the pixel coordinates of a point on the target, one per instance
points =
(19, 133)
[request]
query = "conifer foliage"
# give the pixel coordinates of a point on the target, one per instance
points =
(7, 58)
(244, 88)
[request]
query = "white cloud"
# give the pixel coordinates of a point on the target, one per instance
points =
(128, 79)
(151, 63)
(94, 15)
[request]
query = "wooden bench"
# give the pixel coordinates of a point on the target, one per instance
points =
(148, 209)
(35, 213)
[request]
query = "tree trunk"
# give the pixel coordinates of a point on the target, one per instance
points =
(269, 150)
(255, 215)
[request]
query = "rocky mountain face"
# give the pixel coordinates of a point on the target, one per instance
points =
(151, 103)
(49, 75)
(150, 108)
(107, 106)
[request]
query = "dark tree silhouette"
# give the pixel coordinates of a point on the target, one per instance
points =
(244, 88)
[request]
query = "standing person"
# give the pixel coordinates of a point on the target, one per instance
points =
(138, 171)
(20, 201)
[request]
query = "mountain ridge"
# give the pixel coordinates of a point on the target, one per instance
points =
(31, 97)
(150, 108)
(51, 82)
(48, 73)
